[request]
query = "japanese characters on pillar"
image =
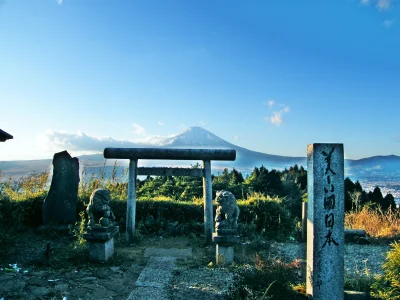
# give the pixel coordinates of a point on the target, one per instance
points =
(329, 200)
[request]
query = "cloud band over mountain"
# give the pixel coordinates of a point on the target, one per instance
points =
(81, 141)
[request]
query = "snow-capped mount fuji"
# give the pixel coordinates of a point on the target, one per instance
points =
(196, 137)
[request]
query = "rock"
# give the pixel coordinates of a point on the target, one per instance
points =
(91, 278)
(103, 273)
(38, 281)
(115, 269)
(363, 241)
(62, 287)
(59, 207)
(12, 286)
(6, 277)
(352, 295)
(113, 286)
(352, 235)
(39, 291)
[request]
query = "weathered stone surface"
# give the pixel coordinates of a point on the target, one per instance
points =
(224, 254)
(100, 252)
(157, 273)
(103, 273)
(226, 240)
(201, 283)
(90, 278)
(13, 286)
(59, 207)
(225, 235)
(39, 291)
(38, 281)
(363, 241)
(325, 222)
(101, 229)
(148, 293)
(99, 210)
(62, 287)
(352, 235)
(100, 234)
(227, 213)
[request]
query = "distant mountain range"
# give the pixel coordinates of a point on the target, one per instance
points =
(367, 169)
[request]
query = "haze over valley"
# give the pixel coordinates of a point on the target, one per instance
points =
(382, 171)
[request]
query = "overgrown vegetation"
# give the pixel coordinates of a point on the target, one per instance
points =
(387, 286)
(376, 222)
(265, 279)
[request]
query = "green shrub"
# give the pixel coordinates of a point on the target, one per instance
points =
(268, 215)
(387, 286)
(266, 279)
(27, 213)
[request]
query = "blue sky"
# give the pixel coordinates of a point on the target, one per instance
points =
(271, 76)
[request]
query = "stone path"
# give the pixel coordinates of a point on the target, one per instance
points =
(156, 276)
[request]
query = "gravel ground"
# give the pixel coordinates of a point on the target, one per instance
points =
(357, 258)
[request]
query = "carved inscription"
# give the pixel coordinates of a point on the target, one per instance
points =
(329, 200)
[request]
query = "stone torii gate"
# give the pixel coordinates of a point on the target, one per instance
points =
(206, 155)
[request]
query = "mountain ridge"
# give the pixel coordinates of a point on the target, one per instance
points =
(197, 137)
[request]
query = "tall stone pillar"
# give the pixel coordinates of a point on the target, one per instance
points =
(325, 221)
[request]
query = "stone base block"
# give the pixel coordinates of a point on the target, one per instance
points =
(100, 252)
(226, 240)
(224, 254)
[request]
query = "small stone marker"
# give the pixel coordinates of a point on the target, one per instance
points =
(59, 207)
(325, 221)
(225, 235)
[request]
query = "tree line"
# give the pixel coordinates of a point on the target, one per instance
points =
(290, 185)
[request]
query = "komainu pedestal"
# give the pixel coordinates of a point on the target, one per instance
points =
(101, 229)
(225, 235)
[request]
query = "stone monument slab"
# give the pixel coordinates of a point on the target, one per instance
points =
(59, 207)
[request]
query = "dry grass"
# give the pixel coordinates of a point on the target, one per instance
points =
(375, 222)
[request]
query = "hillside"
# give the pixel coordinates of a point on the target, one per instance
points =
(197, 137)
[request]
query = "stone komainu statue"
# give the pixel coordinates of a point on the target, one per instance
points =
(99, 210)
(227, 213)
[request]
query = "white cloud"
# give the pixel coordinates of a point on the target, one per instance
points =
(381, 5)
(236, 138)
(160, 123)
(277, 115)
(276, 118)
(271, 103)
(286, 109)
(60, 2)
(384, 4)
(137, 129)
(54, 140)
(388, 23)
(201, 123)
